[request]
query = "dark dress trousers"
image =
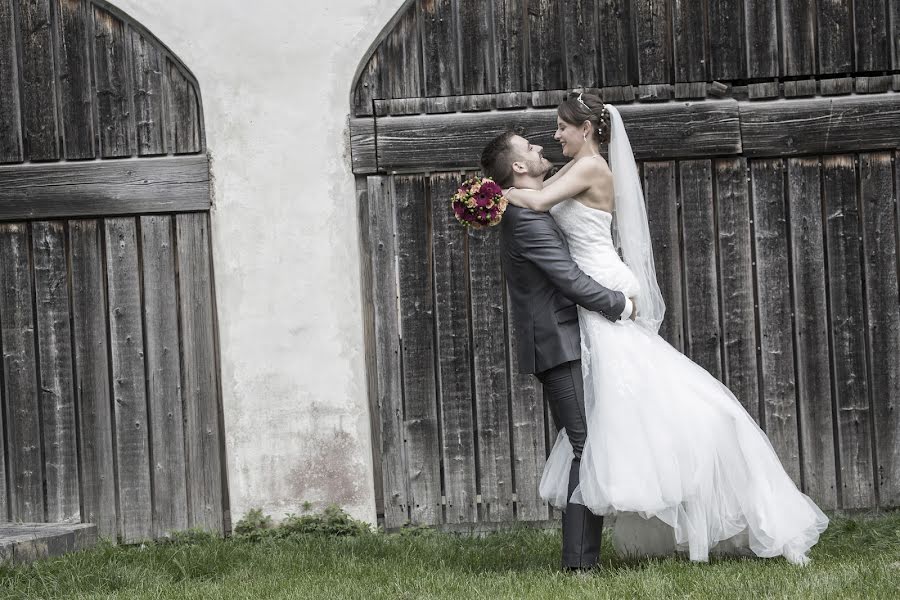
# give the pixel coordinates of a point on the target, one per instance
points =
(545, 285)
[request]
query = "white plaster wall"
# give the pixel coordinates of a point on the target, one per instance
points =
(275, 76)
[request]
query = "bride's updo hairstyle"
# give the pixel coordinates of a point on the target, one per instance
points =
(589, 108)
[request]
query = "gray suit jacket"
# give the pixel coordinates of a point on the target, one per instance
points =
(544, 286)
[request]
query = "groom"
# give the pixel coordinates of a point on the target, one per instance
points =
(544, 286)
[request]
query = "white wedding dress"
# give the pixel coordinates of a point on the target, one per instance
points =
(670, 451)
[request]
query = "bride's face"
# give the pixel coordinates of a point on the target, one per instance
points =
(570, 137)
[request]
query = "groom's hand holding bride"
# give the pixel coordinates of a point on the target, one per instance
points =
(634, 309)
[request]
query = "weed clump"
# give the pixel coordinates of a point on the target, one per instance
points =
(331, 522)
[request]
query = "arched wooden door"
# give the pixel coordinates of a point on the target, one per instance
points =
(107, 314)
(767, 135)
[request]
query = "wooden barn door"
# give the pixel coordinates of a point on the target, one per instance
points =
(767, 135)
(110, 390)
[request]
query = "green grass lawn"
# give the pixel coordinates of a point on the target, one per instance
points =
(857, 558)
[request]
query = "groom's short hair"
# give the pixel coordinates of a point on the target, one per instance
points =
(497, 158)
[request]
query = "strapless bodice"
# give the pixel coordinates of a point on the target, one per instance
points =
(589, 233)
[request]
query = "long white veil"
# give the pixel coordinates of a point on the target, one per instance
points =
(633, 228)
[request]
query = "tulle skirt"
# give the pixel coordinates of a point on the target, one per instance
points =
(675, 457)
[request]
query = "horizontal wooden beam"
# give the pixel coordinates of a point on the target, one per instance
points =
(821, 125)
(362, 146)
(674, 130)
(104, 187)
(454, 141)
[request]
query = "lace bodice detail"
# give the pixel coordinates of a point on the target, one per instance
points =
(589, 234)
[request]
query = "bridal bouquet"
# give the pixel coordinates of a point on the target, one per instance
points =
(479, 202)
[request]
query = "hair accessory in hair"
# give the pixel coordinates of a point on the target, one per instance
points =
(580, 101)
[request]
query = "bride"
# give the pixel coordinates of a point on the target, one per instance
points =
(669, 450)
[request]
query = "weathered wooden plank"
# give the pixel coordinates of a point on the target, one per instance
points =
(653, 30)
(75, 80)
(835, 36)
(4, 490)
(479, 74)
(836, 86)
(454, 358)
(435, 142)
(362, 146)
(414, 259)
(528, 434)
(736, 273)
(509, 44)
(199, 372)
(26, 469)
(401, 58)
(109, 187)
(690, 90)
(439, 35)
(690, 40)
(820, 125)
(183, 112)
(811, 338)
(870, 19)
(874, 85)
(38, 86)
(541, 99)
(883, 317)
(57, 394)
(703, 332)
(129, 391)
(617, 44)
(656, 93)
(98, 490)
(367, 87)
(163, 376)
(546, 58)
(147, 83)
(798, 34)
(776, 328)
(371, 342)
(661, 195)
(760, 17)
(448, 104)
(726, 40)
(409, 106)
(848, 333)
(800, 87)
(765, 89)
(895, 40)
(582, 52)
(111, 80)
(10, 117)
(491, 379)
(382, 235)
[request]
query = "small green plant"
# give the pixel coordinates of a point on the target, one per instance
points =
(254, 526)
(332, 522)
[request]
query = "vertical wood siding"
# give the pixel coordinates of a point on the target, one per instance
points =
(780, 274)
(792, 338)
(110, 392)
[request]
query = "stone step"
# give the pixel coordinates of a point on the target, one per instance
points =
(26, 542)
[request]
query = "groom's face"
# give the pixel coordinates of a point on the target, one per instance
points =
(529, 158)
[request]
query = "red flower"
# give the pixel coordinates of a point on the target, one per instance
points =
(491, 188)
